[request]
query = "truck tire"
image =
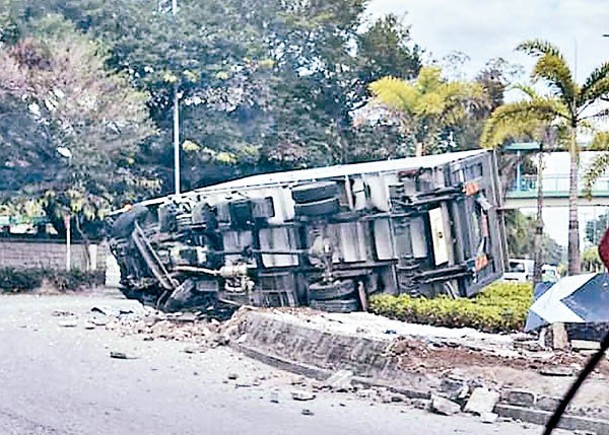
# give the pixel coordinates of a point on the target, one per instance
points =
(336, 290)
(315, 192)
(123, 226)
(336, 306)
(318, 208)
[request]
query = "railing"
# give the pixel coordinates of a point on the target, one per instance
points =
(526, 185)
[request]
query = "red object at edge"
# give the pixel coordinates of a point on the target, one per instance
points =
(603, 249)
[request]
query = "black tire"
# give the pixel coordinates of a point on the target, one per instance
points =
(336, 290)
(315, 192)
(336, 306)
(318, 208)
(123, 225)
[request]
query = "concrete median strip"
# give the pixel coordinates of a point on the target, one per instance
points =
(343, 361)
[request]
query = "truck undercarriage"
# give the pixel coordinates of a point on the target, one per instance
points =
(327, 237)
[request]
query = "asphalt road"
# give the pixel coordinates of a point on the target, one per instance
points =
(56, 380)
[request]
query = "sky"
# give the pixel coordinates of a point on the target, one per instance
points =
(486, 29)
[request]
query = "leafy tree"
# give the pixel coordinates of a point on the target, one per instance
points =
(428, 107)
(591, 261)
(519, 228)
(566, 106)
(79, 125)
(595, 228)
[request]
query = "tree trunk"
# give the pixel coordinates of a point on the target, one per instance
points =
(537, 246)
(573, 249)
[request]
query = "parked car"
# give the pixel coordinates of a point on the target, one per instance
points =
(523, 270)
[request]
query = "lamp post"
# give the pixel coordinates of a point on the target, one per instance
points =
(176, 122)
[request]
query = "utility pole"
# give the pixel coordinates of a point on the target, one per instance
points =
(176, 121)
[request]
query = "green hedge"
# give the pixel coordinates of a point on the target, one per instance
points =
(13, 280)
(501, 307)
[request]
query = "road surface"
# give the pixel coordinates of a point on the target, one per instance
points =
(57, 380)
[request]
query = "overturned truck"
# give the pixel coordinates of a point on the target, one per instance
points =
(325, 237)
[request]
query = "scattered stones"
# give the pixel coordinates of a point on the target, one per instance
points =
(68, 323)
(341, 381)
(196, 349)
(366, 393)
(274, 397)
(481, 401)
(307, 412)
(520, 398)
(232, 376)
(89, 326)
(423, 404)
(302, 396)
(118, 355)
(443, 406)
(62, 313)
(489, 418)
(556, 371)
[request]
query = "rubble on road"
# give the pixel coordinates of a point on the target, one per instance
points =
(302, 395)
(442, 406)
(68, 323)
(482, 401)
(341, 381)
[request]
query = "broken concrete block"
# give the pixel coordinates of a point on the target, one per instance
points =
(443, 406)
(232, 376)
(489, 418)
(423, 404)
(274, 397)
(118, 355)
(89, 325)
(340, 381)
(68, 323)
(560, 339)
(585, 345)
(520, 398)
(556, 371)
(307, 412)
(302, 395)
(481, 401)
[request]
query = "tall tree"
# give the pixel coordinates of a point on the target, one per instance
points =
(568, 104)
(428, 107)
(79, 124)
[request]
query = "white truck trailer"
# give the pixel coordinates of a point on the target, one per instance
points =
(325, 237)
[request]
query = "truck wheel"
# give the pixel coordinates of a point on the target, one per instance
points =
(314, 192)
(318, 208)
(336, 306)
(123, 226)
(336, 290)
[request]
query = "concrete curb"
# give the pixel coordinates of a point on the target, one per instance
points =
(303, 350)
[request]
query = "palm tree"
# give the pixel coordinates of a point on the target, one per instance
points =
(537, 126)
(427, 106)
(568, 106)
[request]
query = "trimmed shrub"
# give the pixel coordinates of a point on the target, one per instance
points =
(501, 307)
(14, 280)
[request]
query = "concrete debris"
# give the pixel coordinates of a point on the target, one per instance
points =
(443, 406)
(556, 371)
(232, 376)
(481, 401)
(341, 381)
(302, 396)
(118, 355)
(307, 412)
(243, 385)
(68, 323)
(560, 338)
(489, 418)
(367, 393)
(520, 398)
(274, 396)
(196, 349)
(585, 345)
(103, 311)
(89, 326)
(99, 322)
(62, 313)
(423, 404)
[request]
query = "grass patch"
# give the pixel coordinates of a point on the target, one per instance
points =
(14, 280)
(501, 307)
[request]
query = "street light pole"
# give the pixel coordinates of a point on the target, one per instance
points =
(176, 121)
